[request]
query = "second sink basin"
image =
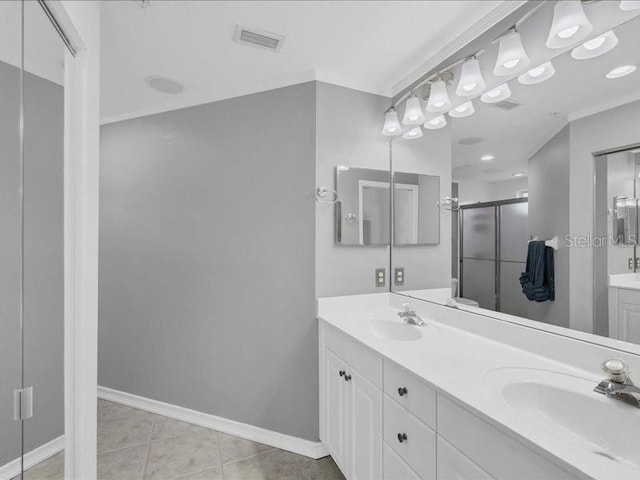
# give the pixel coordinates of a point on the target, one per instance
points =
(605, 426)
(398, 331)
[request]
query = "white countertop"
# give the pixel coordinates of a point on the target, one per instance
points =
(456, 362)
(625, 280)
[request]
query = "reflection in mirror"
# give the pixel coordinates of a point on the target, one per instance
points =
(416, 218)
(544, 168)
(362, 206)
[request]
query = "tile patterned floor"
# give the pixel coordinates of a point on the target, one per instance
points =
(137, 445)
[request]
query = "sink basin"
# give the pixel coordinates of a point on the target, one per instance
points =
(398, 331)
(566, 405)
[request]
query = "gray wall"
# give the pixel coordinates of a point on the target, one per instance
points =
(426, 266)
(43, 259)
(606, 130)
(348, 126)
(207, 263)
(549, 217)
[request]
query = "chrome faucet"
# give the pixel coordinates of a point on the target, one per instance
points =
(410, 316)
(618, 384)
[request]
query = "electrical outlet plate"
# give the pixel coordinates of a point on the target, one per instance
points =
(381, 280)
(630, 263)
(398, 276)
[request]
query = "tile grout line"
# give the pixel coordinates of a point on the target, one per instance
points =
(146, 462)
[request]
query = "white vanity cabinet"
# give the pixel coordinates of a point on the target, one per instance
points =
(352, 405)
(380, 421)
(624, 314)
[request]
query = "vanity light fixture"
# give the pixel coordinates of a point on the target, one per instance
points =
(486, 158)
(412, 134)
(519, 174)
(620, 72)
(471, 80)
(413, 114)
(436, 123)
(511, 54)
(595, 47)
(463, 110)
(496, 95)
(439, 100)
(629, 5)
(570, 24)
(538, 74)
(391, 126)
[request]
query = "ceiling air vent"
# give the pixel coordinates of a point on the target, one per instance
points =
(505, 105)
(258, 38)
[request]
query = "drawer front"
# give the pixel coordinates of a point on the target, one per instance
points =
(629, 296)
(394, 467)
(453, 465)
(418, 448)
(367, 362)
(501, 455)
(411, 392)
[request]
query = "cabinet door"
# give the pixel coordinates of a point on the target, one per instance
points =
(365, 428)
(335, 415)
(628, 323)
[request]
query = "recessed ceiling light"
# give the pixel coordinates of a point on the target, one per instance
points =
(486, 158)
(164, 84)
(622, 71)
(519, 174)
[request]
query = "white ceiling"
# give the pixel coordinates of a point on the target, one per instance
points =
(366, 45)
(578, 88)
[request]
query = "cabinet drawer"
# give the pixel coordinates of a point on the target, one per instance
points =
(629, 296)
(411, 392)
(356, 355)
(501, 455)
(394, 467)
(453, 465)
(419, 447)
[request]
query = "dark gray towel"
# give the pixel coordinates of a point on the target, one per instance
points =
(538, 282)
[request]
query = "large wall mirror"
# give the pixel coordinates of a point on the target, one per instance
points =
(536, 141)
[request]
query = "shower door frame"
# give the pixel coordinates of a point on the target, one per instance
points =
(496, 204)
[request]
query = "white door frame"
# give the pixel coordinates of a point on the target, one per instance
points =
(81, 187)
(362, 184)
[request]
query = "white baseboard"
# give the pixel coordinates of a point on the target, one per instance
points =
(243, 430)
(32, 458)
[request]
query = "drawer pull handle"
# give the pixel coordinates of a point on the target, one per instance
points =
(402, 437)
(402, 391)
(342, 373)
(347, 378)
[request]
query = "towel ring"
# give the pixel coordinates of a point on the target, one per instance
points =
(322, 192)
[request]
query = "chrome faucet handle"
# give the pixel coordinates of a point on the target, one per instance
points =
(616, 369)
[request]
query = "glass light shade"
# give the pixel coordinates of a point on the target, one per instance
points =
(496, 95)
(391, 126)
(595, 47)
(512, 57)
(439, 101)
(570, 24)
(463, 110)
(629, 5)
(412, 134)
(436, 123)
(622, 71)
(471, 80)
(538, 74)
(413, 114)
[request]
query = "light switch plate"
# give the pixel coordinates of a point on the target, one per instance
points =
(381, 279)
(398, 276)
